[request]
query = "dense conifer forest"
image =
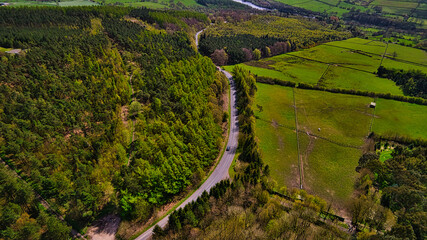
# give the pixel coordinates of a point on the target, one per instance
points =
(67, 111)
(112, 111)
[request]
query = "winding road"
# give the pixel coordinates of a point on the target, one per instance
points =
(221, 170)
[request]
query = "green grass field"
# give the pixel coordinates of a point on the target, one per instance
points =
(344, 119)
(348, 64)
(400, 118)
(391, 7)
(274, 126)
(369, 46)
(396, 6)
(338, 77)
(411, 55)
(330, 6)
(260, 71)
(330, 155)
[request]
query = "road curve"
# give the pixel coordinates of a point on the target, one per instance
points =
(197, 37)
(221, 170)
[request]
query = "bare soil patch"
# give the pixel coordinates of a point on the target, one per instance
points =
(104, 228)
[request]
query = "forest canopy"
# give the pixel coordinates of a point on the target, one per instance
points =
(88, 79)
(271, 35)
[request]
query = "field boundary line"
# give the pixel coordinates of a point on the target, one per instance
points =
(331, 141)
(414, 9)
(373, 118)
(369, 42)
(399, 98)
(385, 51)
(323, 75)
(394, 59)
(312, 135)
(332, 63)
(298, 148)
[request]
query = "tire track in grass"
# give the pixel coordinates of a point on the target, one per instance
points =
(321, 79)
(300, 166)
(385, 51)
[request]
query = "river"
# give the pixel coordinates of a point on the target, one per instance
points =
(250, 5)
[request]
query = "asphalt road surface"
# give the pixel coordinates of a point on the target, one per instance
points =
(221, 170)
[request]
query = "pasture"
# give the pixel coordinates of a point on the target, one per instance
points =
(392, 8)
(397, 7)
(348, 64)
(329, 155)
(332, 129)
(400, 118)
(275, 127)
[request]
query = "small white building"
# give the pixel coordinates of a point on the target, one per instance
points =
(372, 105)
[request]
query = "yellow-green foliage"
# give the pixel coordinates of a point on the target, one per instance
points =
(297, 30)
(252, 213)
(96, 26)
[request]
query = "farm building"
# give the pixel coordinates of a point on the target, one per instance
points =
(372, 105)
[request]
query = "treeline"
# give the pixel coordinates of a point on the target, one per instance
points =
(250, 152)
(244, 209)
(262, 36)
(240, 210)
(221, 4)
(56, 16)
(392, 199)
(378, 20)
(21, 216)
(404, 140)
(173, 20)
(234, 53)
(194, 212)
(284, 8)
(412, 82)
(66, 112)
(275, 81)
